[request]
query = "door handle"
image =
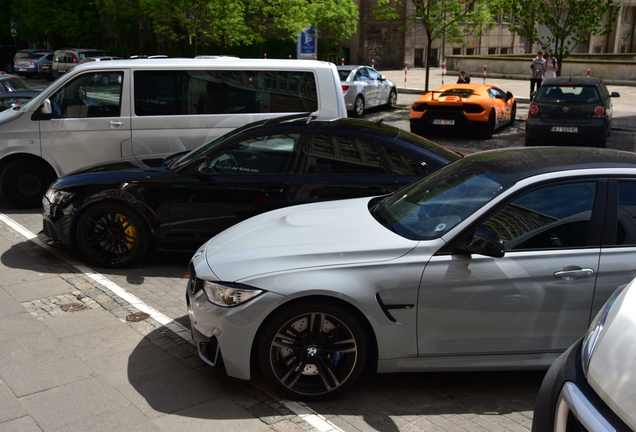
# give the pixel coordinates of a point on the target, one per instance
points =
(115, 124)
(572, 273)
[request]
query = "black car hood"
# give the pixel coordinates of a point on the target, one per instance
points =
(107, 177)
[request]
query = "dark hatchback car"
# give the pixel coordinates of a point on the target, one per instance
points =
(116, 214)
(570, 111)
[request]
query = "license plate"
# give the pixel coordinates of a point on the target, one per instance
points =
(564, 129)
(21, 70)
(443, 122)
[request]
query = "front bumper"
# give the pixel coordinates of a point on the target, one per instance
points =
(567, 403)
(56, 226)
(225, 335)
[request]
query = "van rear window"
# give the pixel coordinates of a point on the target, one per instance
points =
(159, 93)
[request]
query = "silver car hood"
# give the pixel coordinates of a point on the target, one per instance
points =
(314, 235)
(9, 114)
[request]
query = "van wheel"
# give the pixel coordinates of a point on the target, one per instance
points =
(25, 181)
(112, 235)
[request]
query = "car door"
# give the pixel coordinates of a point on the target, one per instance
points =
(381, 88)
(537, 298)
(245, 178)
(366, 87)
(339, 165)
(500, 102)
(618, 251)
(89, 125)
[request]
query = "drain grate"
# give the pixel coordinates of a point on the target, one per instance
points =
(137, 316)
(72, 307)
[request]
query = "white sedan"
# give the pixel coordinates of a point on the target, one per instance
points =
(363, 87)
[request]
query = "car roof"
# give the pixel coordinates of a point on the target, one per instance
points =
(518, 163)
(572, 80)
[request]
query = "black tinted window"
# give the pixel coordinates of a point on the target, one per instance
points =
(223, 92)
(626, 224)
(335, 154)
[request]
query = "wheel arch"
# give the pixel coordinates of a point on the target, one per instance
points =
(372, 355)
(8, 159)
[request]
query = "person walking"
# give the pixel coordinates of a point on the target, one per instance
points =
(536, 73)
(463, 78)
(551, 67)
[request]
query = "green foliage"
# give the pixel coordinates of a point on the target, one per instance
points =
(453, 20)
(571, 22)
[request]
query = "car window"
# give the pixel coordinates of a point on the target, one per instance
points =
(362, 75)
(568, 94)
(496, 93)
(16, 84)
(552, 217)
(87, 96)
(265, 154)
(7, 102)
(626, 223)
(374, 75)
(401, 164)
(344, 74)
(334, 154)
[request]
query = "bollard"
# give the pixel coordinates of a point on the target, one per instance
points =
(342, 61)
(589, 71)
(443, 72)
(406, 70)
(264, 55)
(290, 57)
(373, 63)
(485, 68)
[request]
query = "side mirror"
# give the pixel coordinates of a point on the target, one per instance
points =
(205, 171)
(382, 78)
(46, 107)
(485, 242)
(509, 95)
(615, 94)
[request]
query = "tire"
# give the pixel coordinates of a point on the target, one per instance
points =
(306, 364)
(513, 114)
(358, 107)
(392, 102)
(489, 127)
(112, 235)
(8, 68)
(104, 80)
(25, 181)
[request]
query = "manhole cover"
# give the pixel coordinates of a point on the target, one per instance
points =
(137, 316)
(72, 307)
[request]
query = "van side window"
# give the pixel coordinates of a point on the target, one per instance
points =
(159, 93)
(94, 94)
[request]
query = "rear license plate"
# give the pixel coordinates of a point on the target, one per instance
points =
(564, 129)
(21, 70)
(443, 122)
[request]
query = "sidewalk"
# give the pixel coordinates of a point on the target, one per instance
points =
(71, 361)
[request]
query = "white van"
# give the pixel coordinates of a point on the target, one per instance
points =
(150, 109)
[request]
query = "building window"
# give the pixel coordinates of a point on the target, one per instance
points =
(419, 58)
(470, 51)
(457, 51)
(492, 51)
(504, 50)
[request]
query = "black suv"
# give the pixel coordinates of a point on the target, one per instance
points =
(570, 110)
(116, 213)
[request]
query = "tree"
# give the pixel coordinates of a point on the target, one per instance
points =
(570, 22)
(453, 20)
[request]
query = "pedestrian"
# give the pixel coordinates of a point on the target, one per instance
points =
(536, 73)
(463, 78)
(551, 67)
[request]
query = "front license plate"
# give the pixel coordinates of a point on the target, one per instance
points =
(443, 122)
(564, 129)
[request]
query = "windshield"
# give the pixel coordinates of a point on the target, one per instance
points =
(568, 93)
(429, 208)
(199, 152)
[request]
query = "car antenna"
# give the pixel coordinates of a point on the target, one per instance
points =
(379, 122)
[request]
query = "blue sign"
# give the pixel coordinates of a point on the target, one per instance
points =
(307, 45)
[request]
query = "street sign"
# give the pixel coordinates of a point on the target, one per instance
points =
(307, 44)
(14, 32)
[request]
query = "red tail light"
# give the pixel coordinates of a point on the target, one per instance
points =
(345, 88)
(75, 58)
(599, 112)
(534, 110)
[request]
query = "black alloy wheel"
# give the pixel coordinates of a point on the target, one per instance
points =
(112, 235)
(489, 127)
(513, 114)
(312, 351)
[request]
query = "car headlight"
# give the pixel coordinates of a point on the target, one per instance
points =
(596, 329)
(228, 295)
(57, 197)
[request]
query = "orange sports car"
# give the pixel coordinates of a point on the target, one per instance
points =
(480, 107)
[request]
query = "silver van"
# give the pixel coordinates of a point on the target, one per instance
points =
(148, 110)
